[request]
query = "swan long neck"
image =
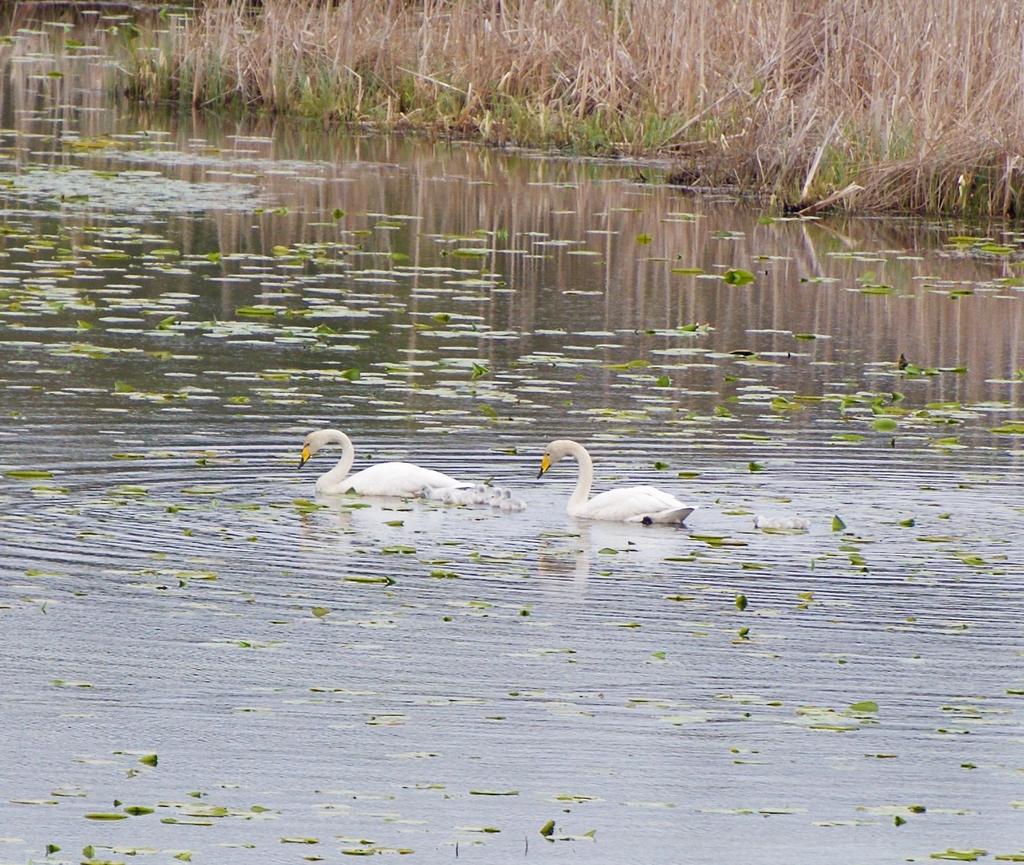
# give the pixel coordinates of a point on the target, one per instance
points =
(344, 465)
(581, 494)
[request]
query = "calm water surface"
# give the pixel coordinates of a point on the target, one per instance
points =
(182, 298)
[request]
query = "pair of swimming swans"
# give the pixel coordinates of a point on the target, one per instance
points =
(627, 504)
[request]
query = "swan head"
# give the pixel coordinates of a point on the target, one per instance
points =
(316, 440)
(556, 451)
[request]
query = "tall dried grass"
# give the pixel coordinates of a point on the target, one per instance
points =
(921, 102)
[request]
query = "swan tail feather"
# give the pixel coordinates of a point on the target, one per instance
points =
(674, 516)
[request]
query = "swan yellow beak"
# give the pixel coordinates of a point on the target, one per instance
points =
(545, 464)
(305, 456)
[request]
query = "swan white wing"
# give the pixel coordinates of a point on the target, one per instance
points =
(631, 504)
(392, 479)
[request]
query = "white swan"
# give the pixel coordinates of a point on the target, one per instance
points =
(627, 504)
(386, 479)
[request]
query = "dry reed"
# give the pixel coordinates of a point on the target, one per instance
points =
(921, 102)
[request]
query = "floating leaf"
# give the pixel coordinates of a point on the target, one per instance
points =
(259, 310)
(1013, 427)
(738, 276)
(848, 437)
(960, 855)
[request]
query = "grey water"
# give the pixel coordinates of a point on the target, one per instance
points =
(259, 674)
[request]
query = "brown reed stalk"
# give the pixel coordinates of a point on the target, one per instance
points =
(921, 102)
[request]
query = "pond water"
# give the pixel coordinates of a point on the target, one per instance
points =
(187, 628)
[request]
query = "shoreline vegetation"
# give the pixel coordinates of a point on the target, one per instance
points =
(876, 105)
